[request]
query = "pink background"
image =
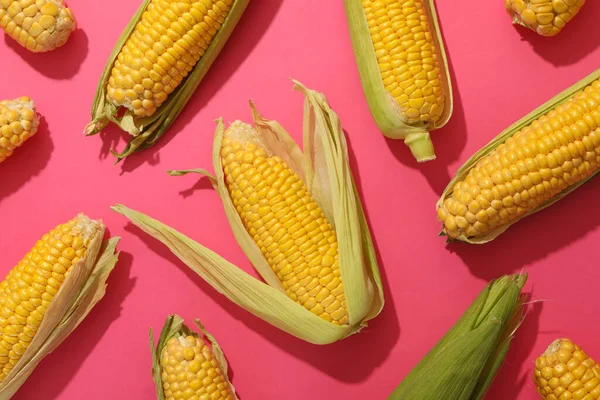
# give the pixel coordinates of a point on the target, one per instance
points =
(500, 74)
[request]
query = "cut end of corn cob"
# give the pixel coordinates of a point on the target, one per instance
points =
(565, 371)
(556, 151)
(286, 223)
(191, 371)
(18, 122)
(29, 288)
(38, 25)
(546, 17)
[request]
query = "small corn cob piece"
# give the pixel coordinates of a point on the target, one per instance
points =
(38, 25)
(18, 122)
(565, 371)
(546, 17)
(164, 44)
(533, 164)
(186, 367)
(410, 93)
(285, 221)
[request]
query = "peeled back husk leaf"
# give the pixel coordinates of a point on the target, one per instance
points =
(79, 293)
(463, 171)
(174, 327)
(325, 169)
(463, 364)
(384, 108)
(147, 131)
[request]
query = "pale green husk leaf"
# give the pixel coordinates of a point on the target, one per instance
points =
(463, 171)
(463, 364)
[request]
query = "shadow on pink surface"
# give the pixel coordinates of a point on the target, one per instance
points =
(31, 158)
(62, 63)
(579, 38)
(47, 381)
(247, 34)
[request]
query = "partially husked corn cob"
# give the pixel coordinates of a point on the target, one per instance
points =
(38, 25)
(29, 288)
(190, 370)
(18, 122)
(546, 17)
(534, 163)
(285, 222)
(565, 371)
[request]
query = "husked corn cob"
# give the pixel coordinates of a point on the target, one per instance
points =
(18, 122)
(546, 17)
(547, 156)
(407, 56)
(166, 44)
(565, 371)
(286, 223)
(38, 25)
(191, 371)
(28, 290)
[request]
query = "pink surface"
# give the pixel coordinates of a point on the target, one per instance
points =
(500, 73)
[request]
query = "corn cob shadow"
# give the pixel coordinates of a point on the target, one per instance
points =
(581, 36)
(62, 63)
(54, 373)
(246, 35)
(26, 163)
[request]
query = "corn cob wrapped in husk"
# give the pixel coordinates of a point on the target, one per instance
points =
(403, 68)
(37, 25)
(18, 122)
(565, 371)
(299, 220)
(49, 293)
(464, 363)
(157, 64)
(185, 366)
(545, 17)
(531, 165)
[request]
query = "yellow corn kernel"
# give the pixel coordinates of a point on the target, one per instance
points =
(39, 26)
(546, 17)
(18, 122)
(271, 198)
(30, 280)
(565, 371)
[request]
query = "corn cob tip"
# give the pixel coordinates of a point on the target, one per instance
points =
(18, 122)
(545, 17)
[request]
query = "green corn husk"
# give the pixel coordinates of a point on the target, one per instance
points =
(325, 169)
(463, 171)
(175, 327)
(463, 364)
(79, 293)
(384, 108)
(147, 131)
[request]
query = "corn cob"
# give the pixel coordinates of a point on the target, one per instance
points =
(157, 64)
(533, 164)
(546, 17)
(565, 371)
(185, 367)
(38, 25)
(403, 68)
(299, 220)
(18, 122)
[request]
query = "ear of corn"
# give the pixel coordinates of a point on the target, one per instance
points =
(464, 363)
(403, 68)
(322, 278)
(157, 64)
(546, 17)
(48, 293)
(565, 371)
(531, 165)
(39, 26)
(18, 122)
(184, 366)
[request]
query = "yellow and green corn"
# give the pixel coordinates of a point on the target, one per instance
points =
(546, 17)
(18, 122)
